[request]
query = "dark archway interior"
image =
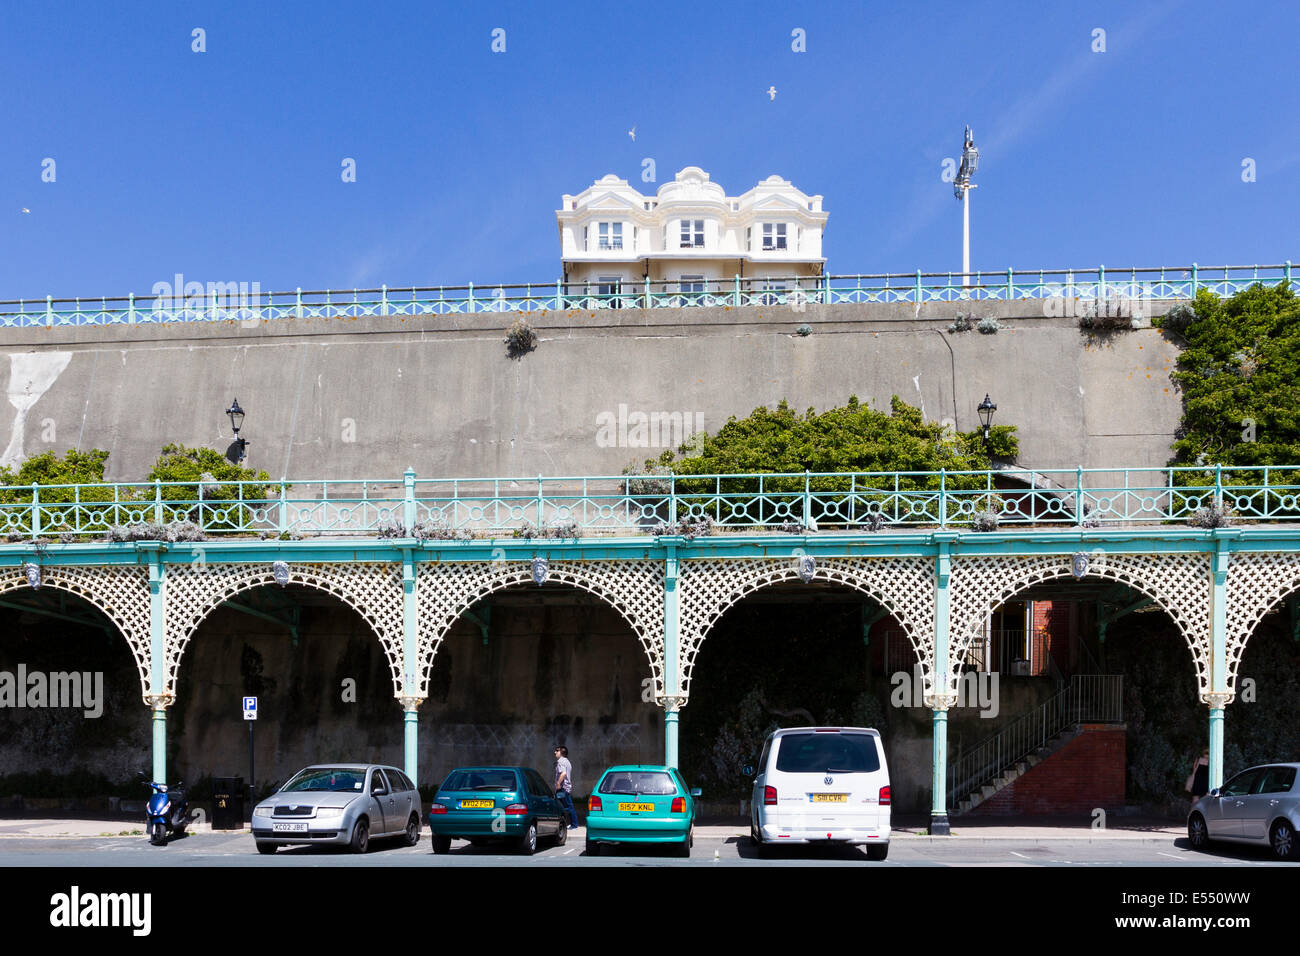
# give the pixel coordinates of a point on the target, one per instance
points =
(322, 679)
(51, 752)
(1260, 726)
(529, 667)
(786, 655)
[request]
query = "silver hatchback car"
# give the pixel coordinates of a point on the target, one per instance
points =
(340, 803)
(1260, 805)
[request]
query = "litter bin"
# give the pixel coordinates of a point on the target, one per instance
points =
(228, 803)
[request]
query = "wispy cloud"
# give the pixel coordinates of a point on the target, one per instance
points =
(1028, 114)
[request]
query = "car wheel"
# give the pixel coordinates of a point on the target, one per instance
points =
(763, 850)
(593, 848)
(1282, 840)
(413, 830)
(441, 844)
(528, 842)
(264, 847)
(562, 834)
(1197, 834)
(683, 849)
(158, 834)
(877, 851)
(361, 836)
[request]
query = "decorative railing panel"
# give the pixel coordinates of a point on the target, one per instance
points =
(566, 507)
(218, 302)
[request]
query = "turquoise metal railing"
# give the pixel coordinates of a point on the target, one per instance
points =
(227, 302)
(656, 504)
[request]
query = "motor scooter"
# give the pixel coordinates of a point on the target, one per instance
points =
(167, 811)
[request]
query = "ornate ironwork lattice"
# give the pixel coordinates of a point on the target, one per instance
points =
(1178, 583)
(373, 590)
(1256, 583)
(707, 588)
(121, 592)
(633, 588)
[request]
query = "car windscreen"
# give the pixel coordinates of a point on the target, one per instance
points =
(496, 780)
(827, 753)
(328, 779)
(648, 783)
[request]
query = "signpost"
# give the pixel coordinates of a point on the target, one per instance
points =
(250, 717)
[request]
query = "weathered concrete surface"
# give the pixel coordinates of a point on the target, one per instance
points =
(349, 398)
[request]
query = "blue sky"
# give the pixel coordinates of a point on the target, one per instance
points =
(225, 165)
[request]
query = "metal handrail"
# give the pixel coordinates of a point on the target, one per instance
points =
(1089, 698)
(229, 301)
(643, 504)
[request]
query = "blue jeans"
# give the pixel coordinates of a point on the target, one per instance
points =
(566, 802)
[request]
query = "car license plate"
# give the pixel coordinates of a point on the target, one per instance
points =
(636, 807)
(289, 827)
(830, 798)
(477, 804)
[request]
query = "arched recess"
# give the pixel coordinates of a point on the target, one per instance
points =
(1178, 583)
(1256, 583)
(633, 588)
(121, 592)
(903, 586)
(372, 590)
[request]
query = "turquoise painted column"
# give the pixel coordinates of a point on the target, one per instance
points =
(1219, 695)
(410, 699)
(672, 689)
(941, 700)
(157, 697)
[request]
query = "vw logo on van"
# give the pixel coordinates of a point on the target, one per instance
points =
(828, 780)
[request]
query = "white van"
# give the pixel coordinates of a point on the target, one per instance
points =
(822, 785)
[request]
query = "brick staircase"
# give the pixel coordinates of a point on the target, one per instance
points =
(1078, 770)
(1063, 754)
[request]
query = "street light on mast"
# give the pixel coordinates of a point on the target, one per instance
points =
(961, 187)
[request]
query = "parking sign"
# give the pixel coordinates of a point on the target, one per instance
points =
(250, 708)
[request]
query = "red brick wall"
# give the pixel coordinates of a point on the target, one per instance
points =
(1087, 772)
(1051, 632)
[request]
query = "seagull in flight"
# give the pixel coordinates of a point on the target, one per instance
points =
(632, 133)
(771, 92)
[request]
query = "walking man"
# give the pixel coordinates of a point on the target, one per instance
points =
(564, 784)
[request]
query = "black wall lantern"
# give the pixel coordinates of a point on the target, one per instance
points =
(986, 410)
(236, 452)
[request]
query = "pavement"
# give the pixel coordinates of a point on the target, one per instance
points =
(978, 830)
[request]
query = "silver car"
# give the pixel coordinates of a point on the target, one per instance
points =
(339, 803)
(1260, 805)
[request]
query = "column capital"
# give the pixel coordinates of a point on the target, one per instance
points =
(410, 704)
(159, 701)
(672, 704)
(1218, 700)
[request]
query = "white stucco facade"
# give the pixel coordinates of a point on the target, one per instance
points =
(689, 236)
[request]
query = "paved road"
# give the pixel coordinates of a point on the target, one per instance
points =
(34, 845)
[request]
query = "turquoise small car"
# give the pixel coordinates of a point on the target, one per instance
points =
(641, 804)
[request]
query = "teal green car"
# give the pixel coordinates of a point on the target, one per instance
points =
(641, 804)
(504, 805)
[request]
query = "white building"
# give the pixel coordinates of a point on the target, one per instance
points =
(688, 238)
